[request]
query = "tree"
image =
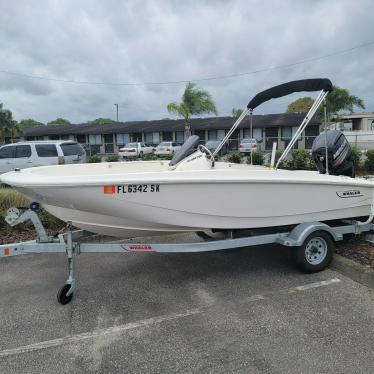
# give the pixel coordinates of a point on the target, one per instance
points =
(8, 126)
(58, 121)
(195, 101)
(236, 112)
(101, 121)
(26, 123)
(339, 99)
(301, 105)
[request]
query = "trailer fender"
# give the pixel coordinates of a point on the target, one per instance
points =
(299, 233)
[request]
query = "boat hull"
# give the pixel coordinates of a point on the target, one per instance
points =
(126, 210)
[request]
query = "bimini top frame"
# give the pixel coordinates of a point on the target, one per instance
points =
(284, 89)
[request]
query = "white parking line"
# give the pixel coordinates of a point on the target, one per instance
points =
(96, 333)
(317, 284)
(150, 321)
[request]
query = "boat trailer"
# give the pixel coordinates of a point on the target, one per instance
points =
(313, 243)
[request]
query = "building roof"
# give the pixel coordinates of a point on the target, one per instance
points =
(268, 120)
(357, 115)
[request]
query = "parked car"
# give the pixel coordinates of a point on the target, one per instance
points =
(166, 148)
(135, 150)
(28, 154)
(248, 145)
(213, 144)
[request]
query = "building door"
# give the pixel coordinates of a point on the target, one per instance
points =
(201, 135)
(271, 136)
(311, 132)
(233, 142)
(167, 136)
(108, 143)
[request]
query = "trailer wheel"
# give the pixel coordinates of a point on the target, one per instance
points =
(61, 295)
(315, 253)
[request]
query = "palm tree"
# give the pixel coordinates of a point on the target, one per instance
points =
(195, 101)
(340, 99)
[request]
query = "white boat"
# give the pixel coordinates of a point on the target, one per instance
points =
(194, 193)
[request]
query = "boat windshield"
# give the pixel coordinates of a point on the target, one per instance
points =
(187, 149)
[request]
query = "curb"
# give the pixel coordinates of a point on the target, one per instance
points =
(360, 273)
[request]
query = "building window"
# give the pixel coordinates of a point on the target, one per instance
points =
(221, 134)
(65, 137)
(286, 133)
(94, 139)
(257, 134)
(156, 138)
(54, 137)
(179, 137)
(148, 137)
(123, 139)
(212, 134)
(372, 125)
(294, 129)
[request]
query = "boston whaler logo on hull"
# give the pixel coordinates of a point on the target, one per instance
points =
(350, 193)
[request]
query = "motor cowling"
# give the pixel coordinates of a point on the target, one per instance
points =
(339, 154)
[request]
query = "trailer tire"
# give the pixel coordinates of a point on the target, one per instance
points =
(62, 298)
(316, 253)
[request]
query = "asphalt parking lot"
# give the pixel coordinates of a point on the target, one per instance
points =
(245, 311)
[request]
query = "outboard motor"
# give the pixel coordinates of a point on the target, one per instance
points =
(340, 160)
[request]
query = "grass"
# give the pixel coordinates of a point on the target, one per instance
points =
(9, 197)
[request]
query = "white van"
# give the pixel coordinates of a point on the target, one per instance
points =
(23, 155)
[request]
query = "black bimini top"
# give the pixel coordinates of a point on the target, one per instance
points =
(289, 88)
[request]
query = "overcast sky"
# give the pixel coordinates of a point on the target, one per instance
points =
(159, 41)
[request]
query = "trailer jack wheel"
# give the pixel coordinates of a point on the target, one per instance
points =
(315, 254)
(62, 296)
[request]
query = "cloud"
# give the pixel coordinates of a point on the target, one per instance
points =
(146, 41)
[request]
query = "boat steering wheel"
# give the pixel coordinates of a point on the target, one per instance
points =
(204, 149)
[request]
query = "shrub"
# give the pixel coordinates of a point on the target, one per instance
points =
(149, 157)
(277, 155)
(369, 163)
(167, 156)
(234, 157)
(356, 156)
(217, 158)
(285, 165)
(302, 160)
(112, 158)
(94, 159)
(257, 158)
